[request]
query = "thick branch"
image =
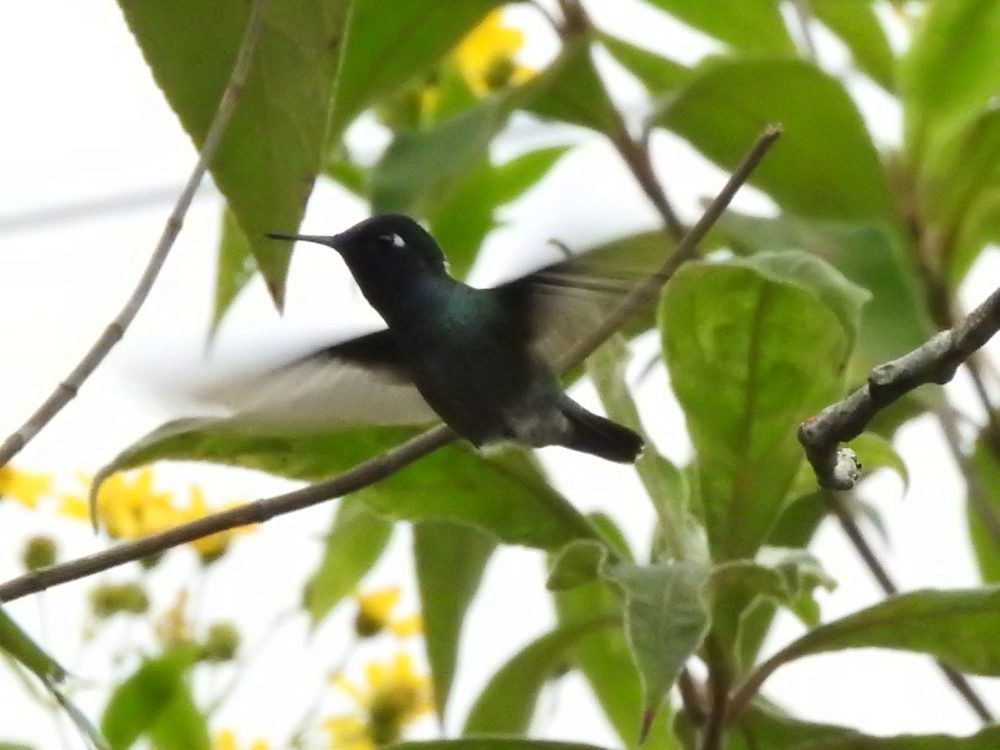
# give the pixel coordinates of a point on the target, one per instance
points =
(395, 459)
(70, 386)
(933, 362)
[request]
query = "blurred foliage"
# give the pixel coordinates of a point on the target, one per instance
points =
(866, 245)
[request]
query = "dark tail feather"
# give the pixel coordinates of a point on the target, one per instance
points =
(601, 437)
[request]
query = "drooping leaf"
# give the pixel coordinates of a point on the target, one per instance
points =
(504, 493)
(984, 544)
(16, 644)
(957, 627)
(450, 560)
(157, 691)
(389, 45)
(727, 102)
(666, 619)
(773, 353)
(950, 72)
(606, 661)
(352, 547)
(747, 25)
(275, 144)
(234, 267)
(859, 28)
(507, 703)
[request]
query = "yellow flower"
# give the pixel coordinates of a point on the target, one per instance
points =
(129, 508)
(213, 546)
(23, 486)
(374, 612)
(394, 697)
(486, 55)
(226, 740)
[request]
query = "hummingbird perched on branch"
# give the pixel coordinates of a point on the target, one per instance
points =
(479, 359)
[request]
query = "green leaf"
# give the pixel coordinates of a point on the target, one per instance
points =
(493, 743)
(666, 619)
(894, 320)
(503, 493)
(950, 72)
(274, 146)
(764, 727)
(13, 746)
(726, 104)
(507, 703)
(660, 75)
(980, 227)
(858, 26)
(773, 353)
(747, 25)
(446, 591)
(234, 267)
(356, 541)
(577, 563)
(984, 544)
(22, 649)
(518, 175)
(784, 576)
(157, 691)
(606, 661)
(985, 739)
(957, 627)
(389, 46)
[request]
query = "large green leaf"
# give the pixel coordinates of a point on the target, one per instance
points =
(957, 627)
(950, 72)
(274, 146)
(507, 703)
(986, 739)
(858, 26)
(895, 319)
(450, 560)
(390, 45)
(157, 692)
(666, 619)
(503, 493)
(354, 544)
(606, 661)
(658, 74)
(824, 166)
(773, 353)
(747, 25)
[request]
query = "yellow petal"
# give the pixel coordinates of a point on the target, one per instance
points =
(73, 506)
(360, 696)
(25, 487)
(407, 626)
(377, 605)
(225, 740)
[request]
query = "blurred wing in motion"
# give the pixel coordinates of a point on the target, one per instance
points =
(358, 381)
(561, 304)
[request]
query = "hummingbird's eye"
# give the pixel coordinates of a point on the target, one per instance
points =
(392, 239)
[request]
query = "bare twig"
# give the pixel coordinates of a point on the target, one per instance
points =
(70, 386)
(933, 362)
(395, 459)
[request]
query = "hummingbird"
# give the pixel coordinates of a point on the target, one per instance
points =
(481, 360)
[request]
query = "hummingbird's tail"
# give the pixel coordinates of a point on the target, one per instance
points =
(599, 436)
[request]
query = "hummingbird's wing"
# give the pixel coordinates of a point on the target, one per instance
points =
(358, 381)
(559, 305)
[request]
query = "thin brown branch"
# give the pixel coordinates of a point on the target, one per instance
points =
(933, 362)
(751, 686)
(395, 459)
(66, 390)
(720, 680)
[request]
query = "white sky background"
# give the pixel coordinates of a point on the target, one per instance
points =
(83, 121)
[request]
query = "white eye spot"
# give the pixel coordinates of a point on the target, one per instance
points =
(393, 239)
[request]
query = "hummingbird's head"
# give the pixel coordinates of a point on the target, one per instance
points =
(384, 254)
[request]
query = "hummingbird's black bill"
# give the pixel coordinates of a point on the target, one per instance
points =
(319, 239)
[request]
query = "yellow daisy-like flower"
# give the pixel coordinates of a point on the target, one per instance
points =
(394, 697)
(128, 506)
(211, 547)
(486, 55)
(24, 486)
(226, 740)
(375, 614)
